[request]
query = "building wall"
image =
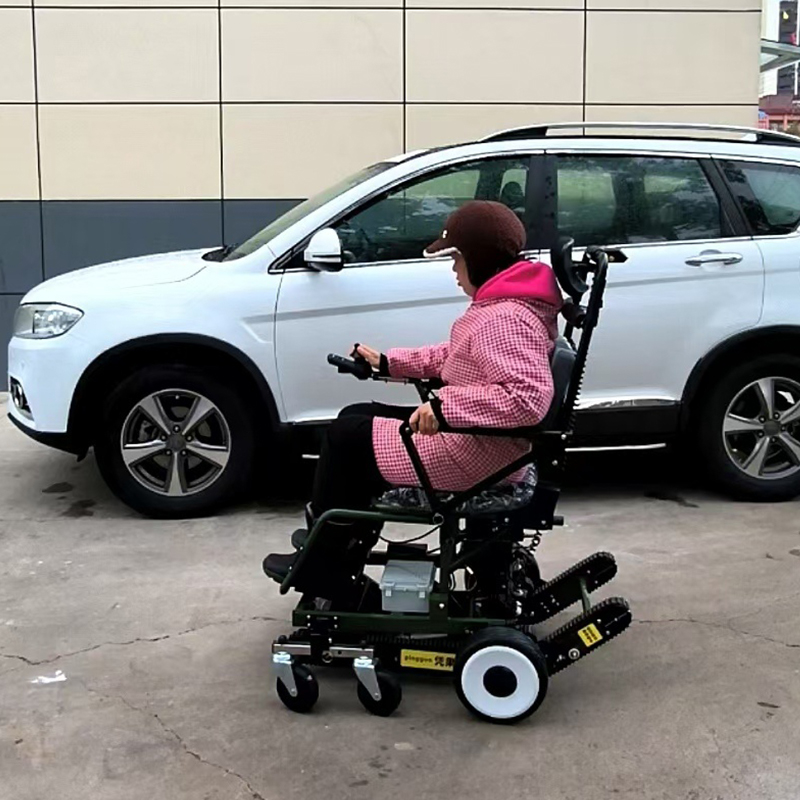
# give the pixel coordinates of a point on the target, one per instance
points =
(136, 126)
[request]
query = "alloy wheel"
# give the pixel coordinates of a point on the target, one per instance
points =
(761, 429)
(175, 442)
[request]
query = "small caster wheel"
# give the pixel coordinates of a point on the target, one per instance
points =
(391, 694)
(307, 690)
(501, 675)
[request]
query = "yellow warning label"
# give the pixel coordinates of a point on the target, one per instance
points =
(424, 659)
(590, 635)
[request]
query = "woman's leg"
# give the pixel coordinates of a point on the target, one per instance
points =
(347, 474)
(347, 477)
(378, 410)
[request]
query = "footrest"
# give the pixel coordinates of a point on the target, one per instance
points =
(565, 589)
(586, 633)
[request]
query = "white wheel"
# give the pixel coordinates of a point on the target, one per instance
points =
(501, 675)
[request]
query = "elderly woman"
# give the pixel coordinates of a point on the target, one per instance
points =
(496, 373)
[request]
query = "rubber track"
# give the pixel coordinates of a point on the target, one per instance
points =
(568, 573)
(579, 622)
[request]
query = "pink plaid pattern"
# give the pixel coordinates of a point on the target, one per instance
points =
(496, 368)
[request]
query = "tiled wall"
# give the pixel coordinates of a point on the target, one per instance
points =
(135, 126)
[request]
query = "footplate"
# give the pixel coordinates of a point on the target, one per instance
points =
(565, 589)
(586, 633)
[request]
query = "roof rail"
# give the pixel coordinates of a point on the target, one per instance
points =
(683, 130)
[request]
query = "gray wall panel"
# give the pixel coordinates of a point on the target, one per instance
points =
(20, 246)
(81, 233)
(243, 218)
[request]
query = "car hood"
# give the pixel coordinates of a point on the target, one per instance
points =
(124, 274)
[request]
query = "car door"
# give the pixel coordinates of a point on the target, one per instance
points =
(388, 294)
(691, 279)
(768, 192)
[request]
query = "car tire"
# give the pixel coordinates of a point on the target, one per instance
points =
(748, 430)
(162, 469)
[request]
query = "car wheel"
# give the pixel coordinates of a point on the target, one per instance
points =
(176, 441)
(748, 430)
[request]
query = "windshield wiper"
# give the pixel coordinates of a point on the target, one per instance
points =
(220, 254)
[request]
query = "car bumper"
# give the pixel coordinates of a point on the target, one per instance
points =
(46, 372)
(60, 441)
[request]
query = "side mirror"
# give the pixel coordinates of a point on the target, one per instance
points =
(324, 251)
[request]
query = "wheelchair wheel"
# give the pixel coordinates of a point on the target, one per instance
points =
(391, 694)
(501, 675)
(307, 690)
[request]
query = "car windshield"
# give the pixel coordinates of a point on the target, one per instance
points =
(304, 208)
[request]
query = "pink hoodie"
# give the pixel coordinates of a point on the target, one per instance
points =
(496, 370)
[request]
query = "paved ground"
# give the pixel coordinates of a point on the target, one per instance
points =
(156, 639)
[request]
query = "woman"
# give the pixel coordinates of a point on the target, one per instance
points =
(496, 371)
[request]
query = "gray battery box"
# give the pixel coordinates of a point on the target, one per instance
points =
(406, 586)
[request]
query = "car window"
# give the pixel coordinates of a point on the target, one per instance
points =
(628, 199)
(769, 195)
(402, 223)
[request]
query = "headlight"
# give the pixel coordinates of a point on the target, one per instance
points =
(44, 320)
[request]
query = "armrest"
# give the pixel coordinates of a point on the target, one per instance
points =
(507, 433)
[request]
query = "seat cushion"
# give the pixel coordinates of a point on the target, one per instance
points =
(501, 498)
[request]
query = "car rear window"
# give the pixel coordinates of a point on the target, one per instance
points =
(633, 199)
(768, 193)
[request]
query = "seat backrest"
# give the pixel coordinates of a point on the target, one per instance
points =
(562, 363)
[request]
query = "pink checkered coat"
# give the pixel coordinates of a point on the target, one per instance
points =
(496, 370)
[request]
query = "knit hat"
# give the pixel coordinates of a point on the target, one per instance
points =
(489, 235)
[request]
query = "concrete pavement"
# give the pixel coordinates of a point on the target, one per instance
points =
(134, 656)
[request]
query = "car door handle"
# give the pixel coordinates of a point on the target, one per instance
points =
(714, 257)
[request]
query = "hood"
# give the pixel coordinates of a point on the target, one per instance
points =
(125, 274)
(525, 280)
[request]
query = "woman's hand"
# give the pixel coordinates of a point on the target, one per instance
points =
(372, 356)
(424, 421)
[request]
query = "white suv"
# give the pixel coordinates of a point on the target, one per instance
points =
(181, 369)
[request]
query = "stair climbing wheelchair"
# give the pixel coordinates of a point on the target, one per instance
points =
(470, 606)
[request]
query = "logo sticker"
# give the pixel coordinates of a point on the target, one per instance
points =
(590, 635)
(424, 659)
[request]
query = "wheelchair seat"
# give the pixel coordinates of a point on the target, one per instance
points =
(499, 499)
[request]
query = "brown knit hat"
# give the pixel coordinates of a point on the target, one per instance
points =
(489, 235)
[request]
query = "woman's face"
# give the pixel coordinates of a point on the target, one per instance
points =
(462, 278)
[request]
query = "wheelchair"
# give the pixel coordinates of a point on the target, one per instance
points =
(471, 606)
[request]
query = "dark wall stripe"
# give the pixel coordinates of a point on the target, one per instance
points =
(405, 81)
(221, 111)
(379, 103)
(533, 7)
(80, 233)
(585, 54)
(38, 141)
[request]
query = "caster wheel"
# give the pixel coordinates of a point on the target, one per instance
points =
(307, 690)
(391, 694)
(501, 675)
